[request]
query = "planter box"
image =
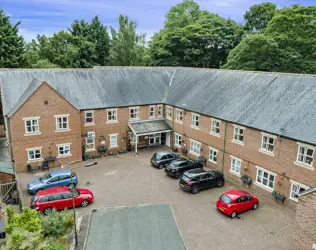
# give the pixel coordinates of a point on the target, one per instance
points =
(85, 157)
(96, 156)
(102, 149)
(246, 180)
(50, 158)
(278, 196)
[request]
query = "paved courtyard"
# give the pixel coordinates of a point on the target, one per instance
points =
(126, 180)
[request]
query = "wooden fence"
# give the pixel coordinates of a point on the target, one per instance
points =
(8, 191)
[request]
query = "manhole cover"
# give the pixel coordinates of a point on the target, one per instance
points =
(88, 183)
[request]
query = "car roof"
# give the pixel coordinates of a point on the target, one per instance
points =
(50, 191)
(60, 172)
(179, 160)
(235, 194)
(196, 171)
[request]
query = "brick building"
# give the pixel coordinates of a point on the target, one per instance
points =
(243, 123)
(304, 233)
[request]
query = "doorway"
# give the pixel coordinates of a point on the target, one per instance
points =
(168, 139)
(155, 139)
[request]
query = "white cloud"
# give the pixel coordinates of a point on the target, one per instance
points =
(28, 35)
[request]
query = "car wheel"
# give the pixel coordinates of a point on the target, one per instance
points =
(255, 206)
(233, 215)
(220, 183)
(84, 203)
(178, 175)
(160, 166)
(195, 190)
(47, 211)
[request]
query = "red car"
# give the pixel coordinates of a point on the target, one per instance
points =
(236, 201)
(60, 198)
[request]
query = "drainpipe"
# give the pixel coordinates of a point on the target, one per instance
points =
(224, 145)
(9, 137)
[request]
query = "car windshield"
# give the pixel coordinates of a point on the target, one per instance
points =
(34, 198)
(76, 192)
(45, 177)
(157, 156)
(226, 199)
(185, 178)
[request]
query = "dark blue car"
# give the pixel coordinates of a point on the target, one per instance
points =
(55, 178)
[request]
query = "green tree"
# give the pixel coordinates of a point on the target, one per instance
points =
(128, 47)
(11, 44)
(258, 17)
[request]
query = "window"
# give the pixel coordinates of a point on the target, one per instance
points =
(235, 165)
(179, 116)
(297, 188)
(178, 140)
(64, 177)
(57, 197)
(215, 127)
(134, 113)
(305, 155)
(46, 199)
(112, 115)
(238, 135)
(265, 178)
(159, 110)
(64, 150)
(151, 111)
(195, 147)
(54, 179)
(89, 118)
(213, 155)
(34, 154)
(62, 123)
(169, 113)
(90, 144)
(31, 125)
(67, 195)
(267, 143)
(195, 120)
(113, 140)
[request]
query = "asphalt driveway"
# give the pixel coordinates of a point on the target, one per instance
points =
(126, 180)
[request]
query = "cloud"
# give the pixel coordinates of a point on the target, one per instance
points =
(28, 35)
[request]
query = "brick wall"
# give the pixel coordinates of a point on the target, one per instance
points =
(304, 233)
(48, 139)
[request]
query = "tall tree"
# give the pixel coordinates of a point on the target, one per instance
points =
(258, 17)
(128, 47)
(11, 44)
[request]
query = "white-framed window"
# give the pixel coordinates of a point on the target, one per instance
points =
(62, 122)
(89, 118)
(238, 134)
(195, 147)
(215, 127)
(195, 120)
(152, 111)
(134, 113)
(213, 155)
(113, 140)
(34, 154)
(296, 188)
(265, 178)
(267, 143)
(64, 149)
(235, 165)
(31, 125)
(111, 115)
(90, 144)
(305, 155)
(177, 140)
(179, 116)
(159, 113)
(169, 112)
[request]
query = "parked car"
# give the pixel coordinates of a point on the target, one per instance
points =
(60, 198)
(177, 167)
(236, 201)
(197, 179)
(161, 159)
(55, 178)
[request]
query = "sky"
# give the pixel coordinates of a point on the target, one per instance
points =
(48, 16)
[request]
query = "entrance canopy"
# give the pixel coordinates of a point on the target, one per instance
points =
(148, 127)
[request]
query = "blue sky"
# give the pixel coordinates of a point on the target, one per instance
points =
(49, 16)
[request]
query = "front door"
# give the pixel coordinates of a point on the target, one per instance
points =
(168, 139)
(155, 139)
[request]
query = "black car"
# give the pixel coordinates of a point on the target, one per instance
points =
(197, 179)
(177, 167)
(162, 159)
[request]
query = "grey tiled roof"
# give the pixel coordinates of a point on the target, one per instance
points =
(282, 104)
(149, 126)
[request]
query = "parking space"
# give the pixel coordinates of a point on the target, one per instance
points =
(126, 180)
